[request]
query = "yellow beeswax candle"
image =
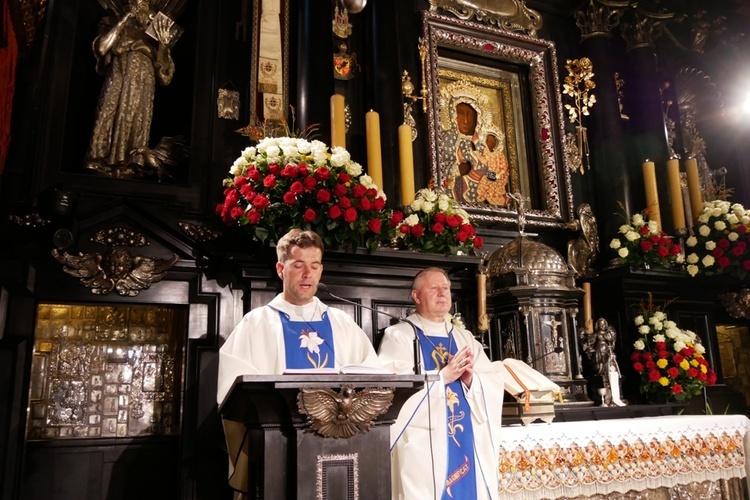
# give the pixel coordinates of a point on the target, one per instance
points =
(694, 188)
(338, 121)
(652, 195)
(675, 193)
(374, 153)
(406, 157)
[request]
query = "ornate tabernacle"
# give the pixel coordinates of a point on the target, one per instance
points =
(533, 302)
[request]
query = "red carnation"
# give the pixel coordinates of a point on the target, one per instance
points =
(323, 196)
(289, 198)
(437, 228)
(737, 251)
(219, 208)
(371, 192)
(322, 174)
(648, 356)
(677, 358)
(635, 356)
(661, 346)
(650, 365)
(247, 192)
(711, 377)
(231, 198)
(334, 212)
(269, 181)
(350, 214)
(676, 249)
(374, 225)
(478, 242)
(309, 215)
(655, 239)
(741, 229)
(339, 190)
(717, 252)
(692, 372)
(417, 230)
(468, 229)
(662, 354)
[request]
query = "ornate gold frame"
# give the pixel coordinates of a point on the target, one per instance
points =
(482, 53)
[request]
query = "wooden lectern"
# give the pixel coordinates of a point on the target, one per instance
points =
(319, 436)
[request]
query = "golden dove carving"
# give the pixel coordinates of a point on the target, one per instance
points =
(344, 414)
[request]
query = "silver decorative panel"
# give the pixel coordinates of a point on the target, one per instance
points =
(105, 371)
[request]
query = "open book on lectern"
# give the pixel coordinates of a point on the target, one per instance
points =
(344, 370)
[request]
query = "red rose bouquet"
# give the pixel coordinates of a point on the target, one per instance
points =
(669, 360)
(721, 241)
(434, 223)
(286, 182)
(642, 244)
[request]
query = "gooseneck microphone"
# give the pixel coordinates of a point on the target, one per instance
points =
(417, 363)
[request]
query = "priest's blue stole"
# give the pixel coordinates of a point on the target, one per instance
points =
(460, 481)
(308, 344)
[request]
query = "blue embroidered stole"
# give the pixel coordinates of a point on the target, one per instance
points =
(460, 482)
(307, 344)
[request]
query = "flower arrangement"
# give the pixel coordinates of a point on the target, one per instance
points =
(435, 223)
(669, 360)
(720, 244)
(287, 182)
(578, 84)
(642, 243)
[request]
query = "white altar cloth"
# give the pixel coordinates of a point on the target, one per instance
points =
(599, 457)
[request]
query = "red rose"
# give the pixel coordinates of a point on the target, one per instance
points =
(345, 202)
(723, 243)
(231, 198)
(247, 192)
(297, 187)
(253, 216)
(638, 367)
(676, 249)
(677, 389)
(372, 192)
(309, 215)
(654, 375)
(673, 371)
(269, 181)
(365, 204)
(290, 171)
(261, 201)
(374, 225)
(677, 358)
(302, 170)
(711, 378)
(702, 376)
(323, 196)
(453, 221)
(274, 168)
(662, 251)
(648, 356)
(359, 191)
(236, 212)
(478, 242)
(635, 356)
(396, 218)
(746, 265)
(717, 252)
(437, 228)
(350, 214)
(378, 204)
(655, 239)
(219, 208)
(662, 354)
(461, 236)
(723, 261)
(645, 245)
(254, 174)
(405, 229)
(692, 372)
(440, 217)
(309, 183)
(289, 198)
(344, 178)
(650, 365)
(334, 212)
(741, 229)
(322, 174)
(737, 251)
(742, 244)
(417, 230)
(240, 181)
(339, 190)
(643, 230)
(468, 229)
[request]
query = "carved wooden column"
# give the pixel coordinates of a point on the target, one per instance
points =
(610, 178)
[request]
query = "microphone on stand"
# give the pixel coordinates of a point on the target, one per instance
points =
(556, 350)
(417, 363)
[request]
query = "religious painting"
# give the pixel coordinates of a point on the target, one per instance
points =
(495, 122)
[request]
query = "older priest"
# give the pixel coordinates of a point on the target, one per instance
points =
(444, 444)
(295, 330)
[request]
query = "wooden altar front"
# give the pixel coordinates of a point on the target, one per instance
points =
(295, 455)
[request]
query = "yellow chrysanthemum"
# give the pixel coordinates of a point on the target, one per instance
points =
(664, 381)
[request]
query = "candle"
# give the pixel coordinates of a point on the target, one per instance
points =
(338, 121)
(483, 323)
(406, 157)
(694, 188)
(652, 195)
(688, 208)
(588, 318)
(675, 193)
(374, 154)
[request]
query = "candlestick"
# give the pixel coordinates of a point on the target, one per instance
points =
(374, 154)
(483, 323)
(652, 195)
(694, 188)
(675, 194)
(406, 157)
(338, 121)
(588, 318)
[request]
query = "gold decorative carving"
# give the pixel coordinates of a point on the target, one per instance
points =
(599, 17)
(583, 250)
(119, 237)
(27, 17)
(343, 414)
(642, 28)
(29, 220)
(509, 15)
(737, 304)
(116, 269)
(350, 461)
(199, 232)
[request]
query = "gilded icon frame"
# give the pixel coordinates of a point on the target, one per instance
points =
(517, 74)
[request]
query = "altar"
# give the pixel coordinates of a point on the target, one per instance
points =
(684, 456)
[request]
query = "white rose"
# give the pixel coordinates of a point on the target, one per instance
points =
(708, 261)
(416, 205)
(692, 241)
(638, 320)
(615, 243)
(632, 236)
(720, 225)
(623, 252)
(692, 270)
(273, 151)
(745, 220)
(703, 218)
(412, 220)
(429, 195)
(653, 227)
(679, 258)
(625, 228)
(354, 169)
(733, 219)
(716, 212)
(660, 338)
(660, 316)
(643, 329)
(692, 258)
(639, 345)
(637, 220)
(733, 236)
(704, 230)
(427, 207)
(700, 349)
(673, 333)
(679, 345)
(710, 245)
(670, 324)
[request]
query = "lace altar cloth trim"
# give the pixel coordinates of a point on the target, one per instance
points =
(600, 456)
(732, 489)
